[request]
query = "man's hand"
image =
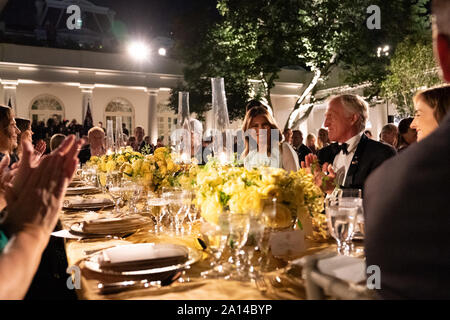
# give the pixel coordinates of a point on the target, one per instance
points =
(324, 177)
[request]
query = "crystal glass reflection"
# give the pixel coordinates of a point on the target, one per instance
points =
(341, 216)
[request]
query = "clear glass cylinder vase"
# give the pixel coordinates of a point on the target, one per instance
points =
(221, 133)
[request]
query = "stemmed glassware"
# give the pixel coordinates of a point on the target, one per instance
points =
(158, 209)
(132, 193)
(178, 205)
(217, 236)
(254, 242)
(115, 190)
(342, 210)
(239, 228)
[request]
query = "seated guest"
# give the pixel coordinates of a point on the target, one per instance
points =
(139, 133)
(132, 142)
(322, 138)
(389, 134)
(287, 133)
(56, 140)
(430, 108)
(26, 134)
(406, 203)
(353, 156)
(406, 134)
(95, 146)
(297, 142)
(369, 134)
(34, 200)
(311, 143)
(266, 149)
(8, 134)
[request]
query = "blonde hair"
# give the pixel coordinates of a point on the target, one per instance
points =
(95, 129)
(437, 98)
(56, 140)
(252, 113)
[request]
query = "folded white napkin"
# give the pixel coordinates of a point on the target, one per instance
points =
(122, 224)
(143, 256)
(87, 202)
(344, 267)
(72, 190)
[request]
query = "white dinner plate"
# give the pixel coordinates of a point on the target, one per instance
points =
(92, 263)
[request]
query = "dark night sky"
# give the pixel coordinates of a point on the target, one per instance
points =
(148, 16)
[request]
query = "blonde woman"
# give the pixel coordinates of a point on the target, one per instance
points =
(311, 143)
(264, 143)
(322, 140)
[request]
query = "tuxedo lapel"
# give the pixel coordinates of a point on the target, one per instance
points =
(354, 165)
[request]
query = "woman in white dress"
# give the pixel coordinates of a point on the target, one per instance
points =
(264, 142)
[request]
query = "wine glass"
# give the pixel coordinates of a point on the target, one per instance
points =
(341, 215)
(132, 193)
(255, 236)
(217, 236)
(102, 178)
(114, 187)
(239, 227)
(157, 208)
(178, 203)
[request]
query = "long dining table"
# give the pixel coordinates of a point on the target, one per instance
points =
(283, 281)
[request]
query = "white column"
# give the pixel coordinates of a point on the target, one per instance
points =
(152, 126)
(9, 94)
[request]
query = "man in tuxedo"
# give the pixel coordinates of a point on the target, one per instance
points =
(353, 156)
(299, 147)
(407, 218)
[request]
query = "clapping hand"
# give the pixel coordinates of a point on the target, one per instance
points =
(35, 194)
(40, 147)
(324, 176)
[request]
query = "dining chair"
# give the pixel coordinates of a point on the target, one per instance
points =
(320, 286)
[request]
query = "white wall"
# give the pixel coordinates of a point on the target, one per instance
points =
(70, 97)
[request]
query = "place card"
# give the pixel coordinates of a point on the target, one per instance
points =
(287, 243)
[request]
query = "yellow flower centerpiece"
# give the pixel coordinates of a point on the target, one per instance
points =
(238, 190)
(155, 170)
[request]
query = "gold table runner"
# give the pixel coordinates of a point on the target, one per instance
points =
(281, 284)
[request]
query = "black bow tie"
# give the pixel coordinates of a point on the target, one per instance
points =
(343, 147)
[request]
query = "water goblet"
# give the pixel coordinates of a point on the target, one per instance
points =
(341, 214)
(217, 236)
(239, 227)
(157, 208)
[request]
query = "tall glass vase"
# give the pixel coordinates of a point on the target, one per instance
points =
(222, 135)
(181, 137)
(109, 136)
(118, 135)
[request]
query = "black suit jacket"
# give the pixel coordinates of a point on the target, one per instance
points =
(369, 154)
(407, 220)
(302, 152)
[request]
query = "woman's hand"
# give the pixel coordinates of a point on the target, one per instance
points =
(40, 147)
(35, 195)
(324, 177)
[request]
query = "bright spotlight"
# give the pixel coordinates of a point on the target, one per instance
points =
(162, 51)
(138, 50)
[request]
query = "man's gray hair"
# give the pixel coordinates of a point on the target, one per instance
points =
(353, 103)
(441, 16)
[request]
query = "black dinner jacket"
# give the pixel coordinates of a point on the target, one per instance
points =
(407, 220)
(369, 154)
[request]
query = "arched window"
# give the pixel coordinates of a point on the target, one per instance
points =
(120, 107)
(45, 107)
